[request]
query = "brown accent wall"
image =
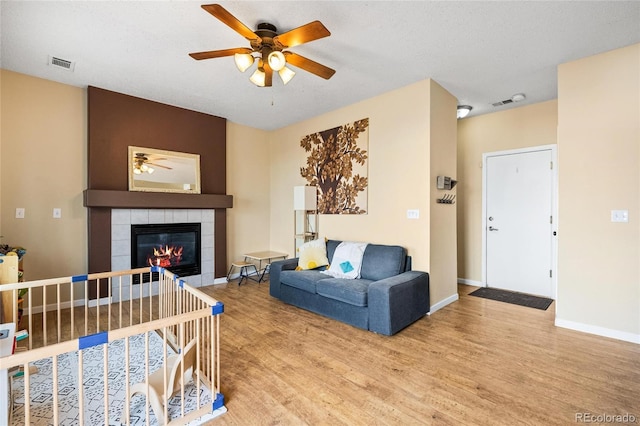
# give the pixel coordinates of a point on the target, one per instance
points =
(117, 121)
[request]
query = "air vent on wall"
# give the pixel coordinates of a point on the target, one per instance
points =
(62, 63)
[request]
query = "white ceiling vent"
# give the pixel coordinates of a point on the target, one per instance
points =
(506, 101)
(515, 98)
(62, 63)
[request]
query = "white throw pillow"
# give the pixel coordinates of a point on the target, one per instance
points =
(347, 260)
(312, 254)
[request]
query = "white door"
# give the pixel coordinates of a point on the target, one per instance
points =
(518, 221)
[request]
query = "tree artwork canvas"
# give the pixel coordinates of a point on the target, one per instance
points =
(337, 166)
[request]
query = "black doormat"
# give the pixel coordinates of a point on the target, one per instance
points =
(513, 297)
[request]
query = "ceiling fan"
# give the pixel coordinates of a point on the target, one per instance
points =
(268, 47)
(141, 164)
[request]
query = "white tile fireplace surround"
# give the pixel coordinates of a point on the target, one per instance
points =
(122, 219)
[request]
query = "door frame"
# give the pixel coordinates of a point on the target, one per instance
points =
(554, 208)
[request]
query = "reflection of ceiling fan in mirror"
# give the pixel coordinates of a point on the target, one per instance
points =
(268, 47)
(142, 163)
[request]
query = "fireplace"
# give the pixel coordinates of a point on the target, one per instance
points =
(174, 246)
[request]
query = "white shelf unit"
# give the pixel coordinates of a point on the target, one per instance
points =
(305, 212)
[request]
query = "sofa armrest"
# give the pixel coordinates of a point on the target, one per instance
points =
(274, 274)
(398, 301)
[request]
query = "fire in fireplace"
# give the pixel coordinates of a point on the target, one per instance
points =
(174, 246)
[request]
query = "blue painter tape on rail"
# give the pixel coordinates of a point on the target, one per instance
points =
(219, 401)
(157, 269)
(181, 283)
(93, 340)
(218, 308)
(77, 278)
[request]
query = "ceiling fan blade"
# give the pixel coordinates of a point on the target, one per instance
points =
(223, 15)
(308, 65)
(158, 165)
(219, 53)
(304, 34)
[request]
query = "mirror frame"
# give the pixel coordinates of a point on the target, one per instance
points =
(160, 187)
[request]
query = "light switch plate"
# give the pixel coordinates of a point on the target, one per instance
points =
(620, 216)
(57, 213)
(413, 214)
(20, 213)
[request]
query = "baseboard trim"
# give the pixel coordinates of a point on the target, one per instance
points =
(470, 282)
(234, 276)
(53, 307)
(95, 302)
(599, 331)
(444, 302)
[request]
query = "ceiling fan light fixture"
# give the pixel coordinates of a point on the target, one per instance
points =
(276, 60)
(243, 61)
(286, 74)
(258, 78)
(150, 170)
(137, 171)
(463, 111)
(267, 46)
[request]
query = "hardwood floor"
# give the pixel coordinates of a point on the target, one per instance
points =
(474, 362)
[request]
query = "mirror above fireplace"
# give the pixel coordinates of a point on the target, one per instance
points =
(154, 170)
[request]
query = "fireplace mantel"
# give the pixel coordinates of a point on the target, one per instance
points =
(154, 200)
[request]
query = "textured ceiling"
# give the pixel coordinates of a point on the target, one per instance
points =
(481, 52)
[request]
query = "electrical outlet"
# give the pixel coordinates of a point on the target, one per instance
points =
(413, 214)
(57, 213)
(20, 213)
(620, 216)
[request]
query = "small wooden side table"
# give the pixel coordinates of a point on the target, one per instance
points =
(264, 256)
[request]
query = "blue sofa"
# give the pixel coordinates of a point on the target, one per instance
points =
(388, 297)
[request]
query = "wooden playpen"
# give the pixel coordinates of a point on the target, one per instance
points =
(113, 344)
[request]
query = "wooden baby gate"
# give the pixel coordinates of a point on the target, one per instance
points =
(162, 310)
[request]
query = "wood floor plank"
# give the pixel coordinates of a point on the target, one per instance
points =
(476, 362)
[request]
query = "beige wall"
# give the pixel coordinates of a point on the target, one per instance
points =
(2, 73)
(248, 180)
(442, 222)
(599, 156)
(43, 165)
(398, 168)
(531, 125)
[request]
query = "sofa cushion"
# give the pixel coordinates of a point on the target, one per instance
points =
(353, 292)
(304, 280)
(382, 261)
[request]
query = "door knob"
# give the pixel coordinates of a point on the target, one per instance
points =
(491, 228)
